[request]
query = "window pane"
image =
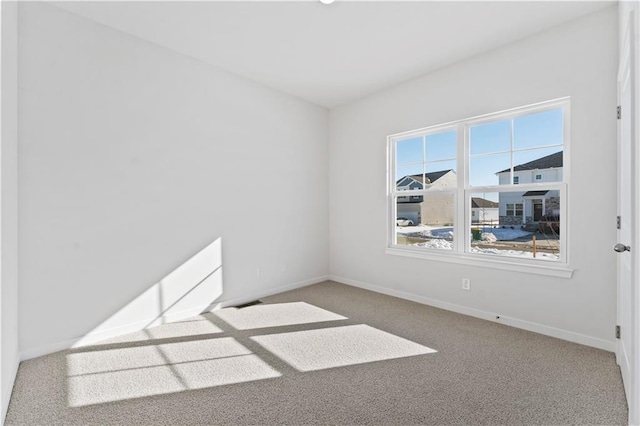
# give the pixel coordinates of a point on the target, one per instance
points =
(523, 224)
(490, 137)
(491, 170)
(409, 174)
(539, 129)
(426, 220)
(441, 174)
(484, 208)
(409, 151)
(545, 162)
(441, 146)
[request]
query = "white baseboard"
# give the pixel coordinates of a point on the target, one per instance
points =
(94, 337)
(8, 390)
(48, 349)
(266, 293)
(489, 316)
(97, 336)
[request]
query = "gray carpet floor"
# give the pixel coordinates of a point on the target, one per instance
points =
(323, 354)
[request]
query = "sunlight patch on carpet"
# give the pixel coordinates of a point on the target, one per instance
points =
(166, 331)
(312, 350)
(275, 315)
(118, 374)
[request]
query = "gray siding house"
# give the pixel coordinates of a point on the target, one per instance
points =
(529, 207)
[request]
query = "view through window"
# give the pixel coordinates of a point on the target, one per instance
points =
(491, 186)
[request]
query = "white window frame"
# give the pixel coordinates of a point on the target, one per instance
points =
(463, 193)
(514, 209)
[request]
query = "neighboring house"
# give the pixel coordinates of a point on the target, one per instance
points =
(484, 211)
(431, 209)
(520, 208)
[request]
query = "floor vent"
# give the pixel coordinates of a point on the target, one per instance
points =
(246, 305)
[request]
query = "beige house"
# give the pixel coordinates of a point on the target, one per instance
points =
(435, 209)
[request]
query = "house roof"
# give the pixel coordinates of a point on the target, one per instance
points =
(534, 193)
(430, 177)
(482, 203)
(548, 162)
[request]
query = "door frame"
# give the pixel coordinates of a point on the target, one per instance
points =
(534, 203)
(628, 59)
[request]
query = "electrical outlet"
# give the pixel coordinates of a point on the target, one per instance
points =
(466, 284)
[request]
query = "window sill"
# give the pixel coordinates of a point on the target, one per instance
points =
(484, 261)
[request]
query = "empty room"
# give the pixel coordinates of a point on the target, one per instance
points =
(319, 212)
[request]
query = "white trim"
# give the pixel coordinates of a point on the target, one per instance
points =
(530, 266)
(93, 337)
(629, 358)
(489, 316)
(96, 336)
(438, 128)
(266, 293)
(9, 389)
(512, 112)
(48, 349)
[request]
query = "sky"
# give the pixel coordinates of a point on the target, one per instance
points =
(437, 152)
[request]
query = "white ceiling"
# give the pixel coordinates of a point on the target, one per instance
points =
(331, 54)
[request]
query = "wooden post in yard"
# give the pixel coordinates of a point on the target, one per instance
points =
(534, 246)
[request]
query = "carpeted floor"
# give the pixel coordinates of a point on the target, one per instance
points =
(324, 354)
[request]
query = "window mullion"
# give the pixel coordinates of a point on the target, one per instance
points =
(460, 226)
(513, 172)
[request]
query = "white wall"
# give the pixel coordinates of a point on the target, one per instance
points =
(133, 158)
(578, 59)
(10, 354)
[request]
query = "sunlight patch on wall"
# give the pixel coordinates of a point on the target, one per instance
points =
(312, 350)
(275, 315)
(97, 377)
(186, 291)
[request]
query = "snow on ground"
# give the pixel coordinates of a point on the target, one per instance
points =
(442, 238)
(446, 232)
(489, 237)
(436, 244)
(504, 234)
(446, 245)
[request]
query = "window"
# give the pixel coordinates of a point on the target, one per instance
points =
(431, 160)
(468, 203)
(514, 209)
